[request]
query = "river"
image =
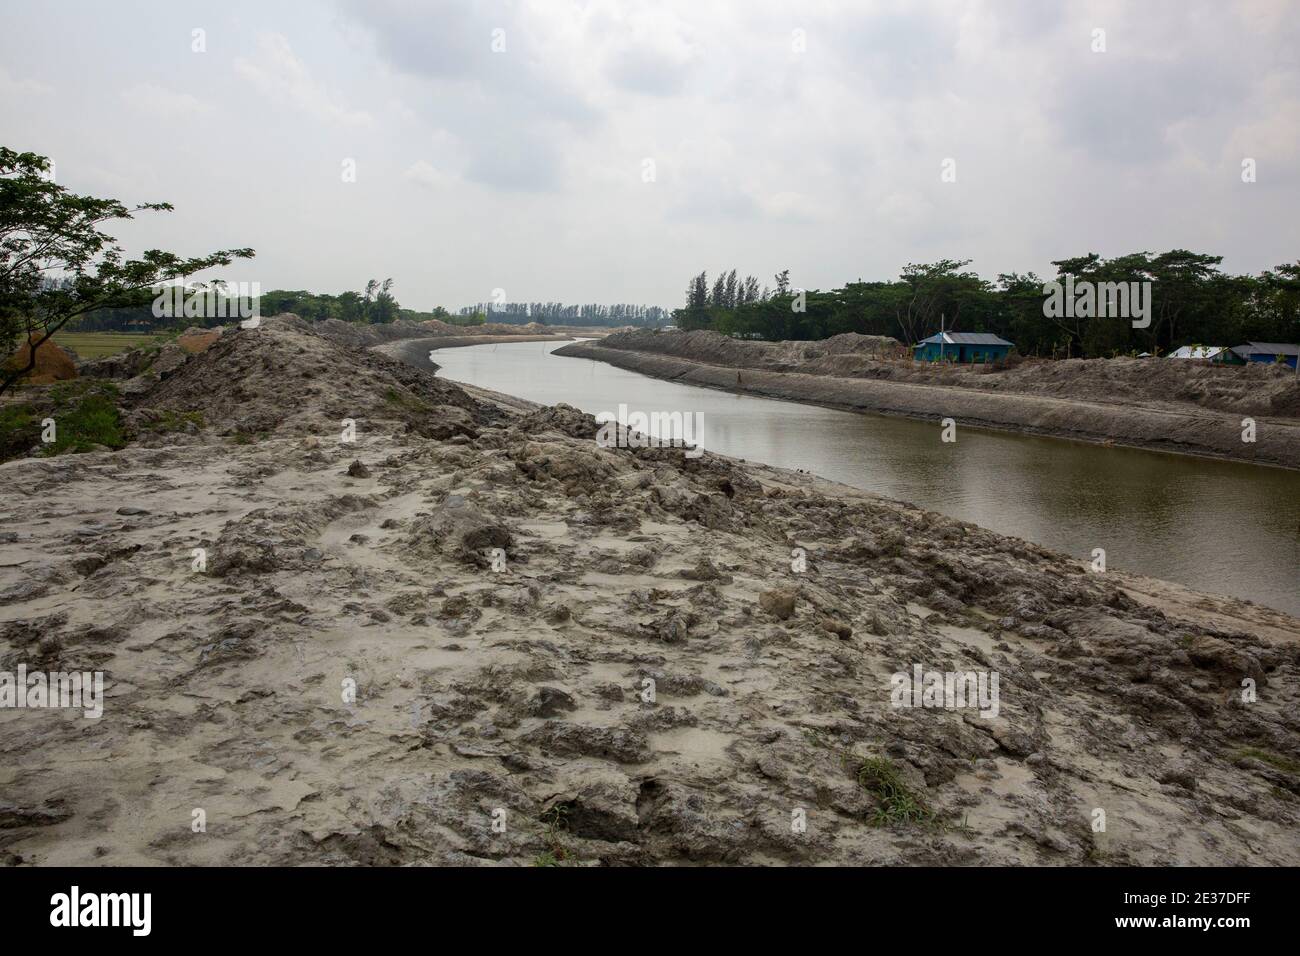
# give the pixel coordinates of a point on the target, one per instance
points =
(1215, 526)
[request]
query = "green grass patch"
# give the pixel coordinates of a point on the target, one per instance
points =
(20, 429)
(85, 415)
(1276, 761)
(92, 345)
(406, 401)
(173, 421)
(897, 804)
(553, 822)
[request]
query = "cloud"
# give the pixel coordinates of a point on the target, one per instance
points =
(279, 73)
(826, 161)
(423, 173)
(11, 86)
(158, 101)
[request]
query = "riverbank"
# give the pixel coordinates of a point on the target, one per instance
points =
(362, 615)
(417, 351)
(1179, 427)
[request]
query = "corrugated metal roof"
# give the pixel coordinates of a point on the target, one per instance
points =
(1275, 348)
(1197, 351)
(1267, 348)
(966, 338)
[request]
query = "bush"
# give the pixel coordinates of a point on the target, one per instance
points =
(19, 430)
(85, 415)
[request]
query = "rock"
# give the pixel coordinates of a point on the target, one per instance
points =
(258, 557)
(672, 628)
(610, 743)
(458, 530)
(130, 511)
(703, 571)
(12, 816)
(457, 606)
(170, 357)
(358, 470)
(603, 811)
(87, 564)
(445, 421)
(779, 602)
(833, 626)
(1179, 776)
(550, 701)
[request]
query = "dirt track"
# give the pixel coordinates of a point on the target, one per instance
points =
(1169, 426)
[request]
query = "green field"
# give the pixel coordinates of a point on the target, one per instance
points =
(90, 345)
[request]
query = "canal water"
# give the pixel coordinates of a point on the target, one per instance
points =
(1212, 525)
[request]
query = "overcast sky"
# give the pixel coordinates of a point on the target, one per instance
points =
(803, 135)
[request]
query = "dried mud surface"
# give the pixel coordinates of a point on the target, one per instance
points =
(501, 589)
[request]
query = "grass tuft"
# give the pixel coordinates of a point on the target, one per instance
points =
(897, 804)
(1276, 761)
(85, 415)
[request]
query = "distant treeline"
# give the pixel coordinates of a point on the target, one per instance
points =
(557, 313)
(1192, 302)
(374, 304)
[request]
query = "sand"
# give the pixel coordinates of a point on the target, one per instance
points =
(503, 594)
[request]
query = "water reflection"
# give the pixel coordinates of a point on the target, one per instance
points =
(1215, 526)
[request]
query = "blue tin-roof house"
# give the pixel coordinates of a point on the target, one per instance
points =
(1269, 352)
(962, 347)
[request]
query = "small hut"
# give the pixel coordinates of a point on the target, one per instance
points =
(962, 347)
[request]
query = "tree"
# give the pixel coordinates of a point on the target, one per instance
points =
(935, 289)
(697, 293)
(385, 308)
(718, 298)
(56, 262)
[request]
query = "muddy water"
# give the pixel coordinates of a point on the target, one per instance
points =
(1214, 526)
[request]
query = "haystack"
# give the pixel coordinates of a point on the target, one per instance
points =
(53, 364)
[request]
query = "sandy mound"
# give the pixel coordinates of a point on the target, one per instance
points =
(376, 651)
(366, 336)
(53, 364)
(1255, 389)
(198, 340)
(713, 348)
(285, 378)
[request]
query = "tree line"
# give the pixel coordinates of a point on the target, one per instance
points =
(59, 264)
(1192, 302)
(557, 313)
(376, 303)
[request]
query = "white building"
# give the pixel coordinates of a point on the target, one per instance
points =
(1207, 353)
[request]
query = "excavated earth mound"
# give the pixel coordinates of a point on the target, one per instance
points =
(460, 635)
(1255, 389)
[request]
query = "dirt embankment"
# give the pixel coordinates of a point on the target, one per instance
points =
(444, 631)
(364, 336)
(1163, 405)
(419, 351)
